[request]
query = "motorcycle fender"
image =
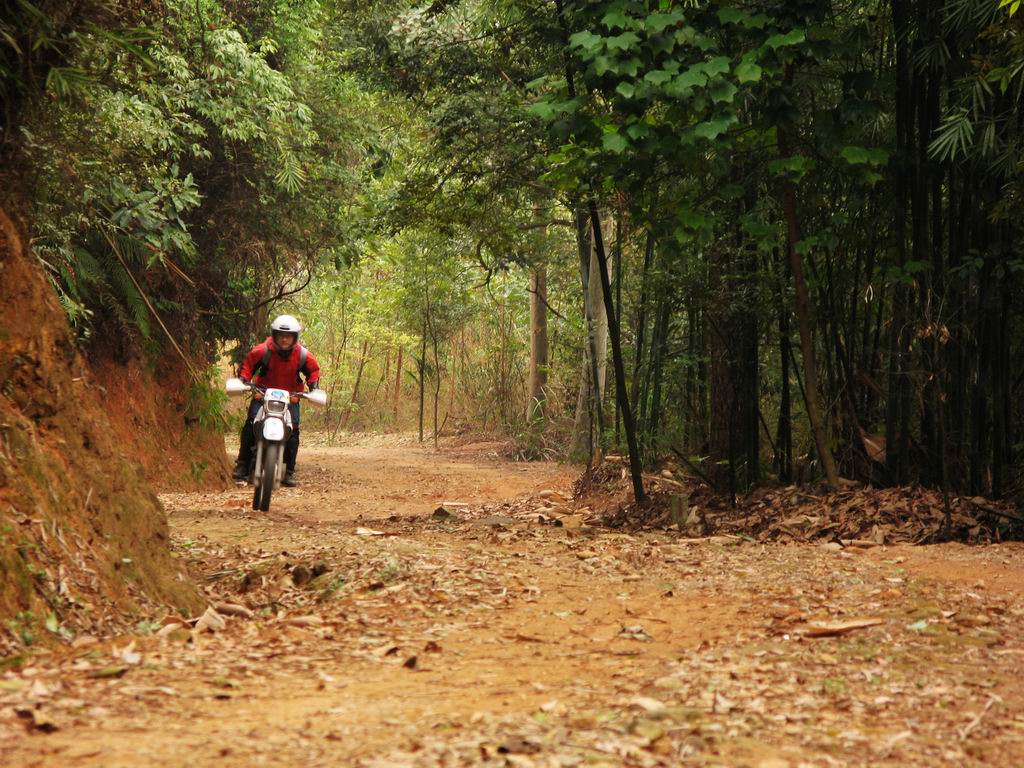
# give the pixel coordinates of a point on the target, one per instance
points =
(273, 429)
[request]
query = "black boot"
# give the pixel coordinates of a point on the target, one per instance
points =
(289, 479)
(246, 452)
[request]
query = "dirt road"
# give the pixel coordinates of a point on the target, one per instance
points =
(385, 636)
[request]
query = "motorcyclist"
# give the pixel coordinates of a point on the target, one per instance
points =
(280, 362)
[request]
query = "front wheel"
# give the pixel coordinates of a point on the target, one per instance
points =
(270, 453)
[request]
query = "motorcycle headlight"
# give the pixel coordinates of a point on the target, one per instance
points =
(276, 406)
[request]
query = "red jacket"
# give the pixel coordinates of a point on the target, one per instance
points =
(282, 372)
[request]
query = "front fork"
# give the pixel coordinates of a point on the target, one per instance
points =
(278, 470)
(257, 473)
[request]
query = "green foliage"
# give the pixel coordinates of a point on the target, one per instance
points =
(182, 136)
(24, 626)
(411, 163)
(860, 155)
(205, 402)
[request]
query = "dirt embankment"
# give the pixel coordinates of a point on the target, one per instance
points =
(153, 420)
(83, 539)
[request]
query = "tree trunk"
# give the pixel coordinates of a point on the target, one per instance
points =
(641, 318)
(898, 346)
(617, 257)
(385, 379)
(422, 366)
(437, 384)
(601, 313)
(589, 414)
(635, 464)
(397, 394)
(355, 387)
(653, 426)
(803, 313)
(538, 347)
(784, 441)
(751, 405)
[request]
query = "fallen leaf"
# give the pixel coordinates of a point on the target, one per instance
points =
(301, 575)
(210, 621)
(496, 521)
(232, 609)
(388, 649)
(648, 729)
(669, 683)
(129, 655)
(168, 629)
(109, 672)
(840, 628)
(37, 720)
(520, 637)
(646, 703)
(635, 632)
(442, 514)
(518, 746)
(722, 705)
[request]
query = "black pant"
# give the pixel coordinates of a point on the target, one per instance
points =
(247, 440)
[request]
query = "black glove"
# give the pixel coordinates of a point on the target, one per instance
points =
(246, 382)
(314, 385)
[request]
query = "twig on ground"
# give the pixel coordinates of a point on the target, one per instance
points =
(997, 512)
(967, 729)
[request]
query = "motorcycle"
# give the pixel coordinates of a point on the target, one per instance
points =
(272, 427)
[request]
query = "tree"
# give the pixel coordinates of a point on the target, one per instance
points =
(538, 345)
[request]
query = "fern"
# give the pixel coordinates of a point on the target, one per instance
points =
(130, 298)
(291, 177)
(91, 274)
(114, 311)
(954, 138)
(66, 82)
(87, 269)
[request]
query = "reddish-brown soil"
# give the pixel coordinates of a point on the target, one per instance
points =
(148, 413)
(994, 569)
(480, 640)
(83, 541)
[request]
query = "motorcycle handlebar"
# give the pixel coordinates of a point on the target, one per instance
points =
(238, 387)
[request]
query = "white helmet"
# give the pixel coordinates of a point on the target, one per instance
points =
(286, 324)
